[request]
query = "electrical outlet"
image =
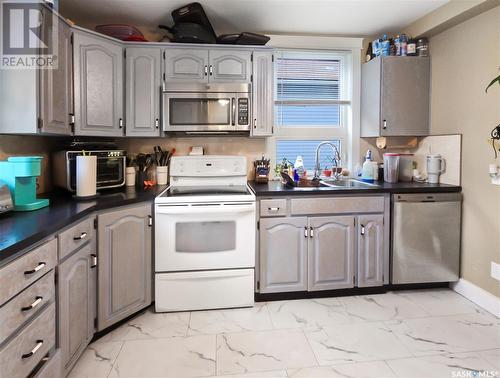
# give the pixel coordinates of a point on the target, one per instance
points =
(495, 270)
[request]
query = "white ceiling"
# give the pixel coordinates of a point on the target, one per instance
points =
(326, 17)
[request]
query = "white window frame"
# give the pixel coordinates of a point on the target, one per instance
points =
(350, 50)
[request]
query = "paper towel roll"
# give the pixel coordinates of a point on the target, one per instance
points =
(86, 176)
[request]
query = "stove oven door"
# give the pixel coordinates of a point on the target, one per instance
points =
(201, 236)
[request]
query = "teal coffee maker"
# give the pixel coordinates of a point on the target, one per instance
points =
(20, 173)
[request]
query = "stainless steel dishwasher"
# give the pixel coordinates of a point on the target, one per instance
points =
(426, 237)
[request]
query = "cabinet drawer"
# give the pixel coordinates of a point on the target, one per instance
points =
(51, 367)
(20, 356)
(22, 272)
(25, 305)
(337, 205)
(75, 236)
(273, 207)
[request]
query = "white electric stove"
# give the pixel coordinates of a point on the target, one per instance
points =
(205, 235)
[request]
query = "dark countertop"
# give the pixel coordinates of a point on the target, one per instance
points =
(276, 189)
(20, 230)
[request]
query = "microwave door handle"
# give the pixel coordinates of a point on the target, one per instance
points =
(233, 108)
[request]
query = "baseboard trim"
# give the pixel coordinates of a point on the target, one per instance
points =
(479, 296)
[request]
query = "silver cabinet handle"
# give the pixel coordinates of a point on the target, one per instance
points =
(206, 70)
(305, 232)
(362, 230)
(211, 70)
(233, 107)
(40, 265)
(83, 235)
(255, 123)
(38, 345)
(94, 260)
(311, 232)
(120, 123)
(157, 123)
(273, 208)
(37, 301)
(384, 124)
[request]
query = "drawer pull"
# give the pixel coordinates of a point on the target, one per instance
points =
(311, 232)
(273, 209)
(363, 230)
(38, 345)
(94, 260)
(40, 265)
(306, 235)
(33, 305)
(83, 235)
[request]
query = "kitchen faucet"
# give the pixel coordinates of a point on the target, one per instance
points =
(317, 169)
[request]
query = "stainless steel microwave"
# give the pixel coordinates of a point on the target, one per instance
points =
(206, 108)
(110, 168)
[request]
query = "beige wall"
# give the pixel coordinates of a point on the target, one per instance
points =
(252, 148)
(464, 59)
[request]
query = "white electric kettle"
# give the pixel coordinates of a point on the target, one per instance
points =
(435, 166)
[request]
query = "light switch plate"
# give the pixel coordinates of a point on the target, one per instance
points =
(495, 270)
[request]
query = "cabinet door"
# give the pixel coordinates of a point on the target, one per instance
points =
(263, 94)
(98, 66)
(331, 253)
(142, 91)
(370, 250)
(186, 65)
(124, 270)
(76, 285)
(56, 92)
(405, 93)
(230, 66)
(283, 255)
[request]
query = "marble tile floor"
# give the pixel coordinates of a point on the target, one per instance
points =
(420, 334)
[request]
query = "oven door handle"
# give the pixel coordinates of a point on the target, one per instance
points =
(205, 209)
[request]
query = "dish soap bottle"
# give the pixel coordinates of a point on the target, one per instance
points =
(367, 173)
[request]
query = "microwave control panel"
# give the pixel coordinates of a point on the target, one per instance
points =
(243, 111)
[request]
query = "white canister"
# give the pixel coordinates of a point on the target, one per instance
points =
(375, 170)
(161, 175)
(86, 176)
(130, 176)
(435, 166)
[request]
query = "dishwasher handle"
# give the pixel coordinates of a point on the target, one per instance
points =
(428, 197)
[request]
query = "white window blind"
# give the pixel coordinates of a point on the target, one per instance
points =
(310, 89)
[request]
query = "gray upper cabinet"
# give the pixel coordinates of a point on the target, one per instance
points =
(186, 65)
(283, 254)
(124, 270)
(56, 85)
(263, 94)
(142, 91)
(228, 65)
(330, 253)
(98, 81)
(395, 96)
(370, 250)
(76, 304)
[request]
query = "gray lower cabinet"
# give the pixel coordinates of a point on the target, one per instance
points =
(98, 83)
(142, 91)
(395, 96)
(56, 85)
(370, 250)
(76, 304)
(124, 269)
(228, 65)
(283, 254)
(331, 253)
(262, 94)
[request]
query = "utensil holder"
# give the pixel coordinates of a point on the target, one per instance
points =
(141, 176)
(130, 176)
(161, 175)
